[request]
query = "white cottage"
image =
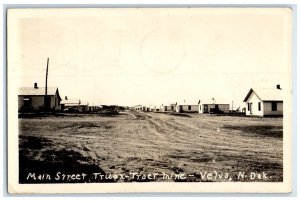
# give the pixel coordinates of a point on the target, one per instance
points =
(213, 108)
(70, 105)
(169, 107)
(264, 102)
(187, 106)
(138, 107)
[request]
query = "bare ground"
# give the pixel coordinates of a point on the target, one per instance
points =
(144, 143)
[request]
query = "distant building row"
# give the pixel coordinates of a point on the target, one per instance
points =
(259, 102)
(187, 107)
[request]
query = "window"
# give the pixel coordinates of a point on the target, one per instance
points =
(200, 107)
(274, 106)
(27, 102)
(248, 106)
(259, 106)
(190, 107)
(172, 108)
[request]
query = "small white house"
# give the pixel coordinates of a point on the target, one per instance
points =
(147, 108)
(213, 108)
(154, 108)
(187, 106)
(169, 107)
(138, 107)
(264, 102)
(71, 105)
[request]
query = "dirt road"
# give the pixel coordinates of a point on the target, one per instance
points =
(192, 146)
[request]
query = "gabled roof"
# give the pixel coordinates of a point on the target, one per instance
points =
(266, 94)
(27, 91)
(40, 91)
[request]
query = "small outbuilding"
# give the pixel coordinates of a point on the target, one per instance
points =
(264, 102)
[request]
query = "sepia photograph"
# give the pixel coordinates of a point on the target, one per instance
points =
(149, 99)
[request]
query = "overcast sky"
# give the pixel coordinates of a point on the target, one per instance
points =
(151, 56)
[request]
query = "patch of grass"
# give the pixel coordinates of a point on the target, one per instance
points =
(259, 130)
(180, 114)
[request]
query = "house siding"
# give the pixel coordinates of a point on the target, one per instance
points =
(168, 108)
(268, 109)
(56, 104)
(222, 107)
(254, 100)
(83, 108)
(37, 102)
(185, 108)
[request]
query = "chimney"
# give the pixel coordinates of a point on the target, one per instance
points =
(66, 97)
(35, 85)
(278, 86)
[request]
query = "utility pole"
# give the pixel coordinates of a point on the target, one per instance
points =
(46, 89)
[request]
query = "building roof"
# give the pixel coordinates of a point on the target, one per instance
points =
(40, 91)
(31, 91)
(188, 102)
(266, 94)
(213, 101)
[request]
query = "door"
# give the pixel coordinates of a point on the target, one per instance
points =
(251, 108)
(205, 108)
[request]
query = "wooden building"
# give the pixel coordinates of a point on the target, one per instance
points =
(215, 108)
(170, 107)
(70, 105)
(187, 106)
(32, 99)
(264, 102)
